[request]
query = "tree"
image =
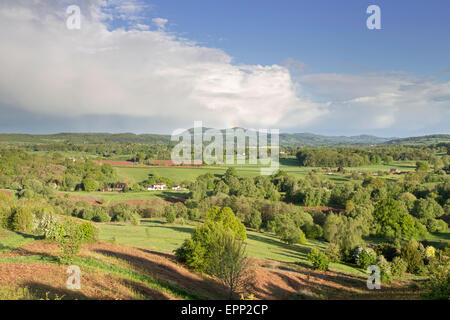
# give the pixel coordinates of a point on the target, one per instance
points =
(422, 166)
(226, 217)
(408, 199)
(195, 251)
(255, 220)
(392, 219)
(286, 229)
(318, 259)
(90, 185)
(427, 209)
(228, 263)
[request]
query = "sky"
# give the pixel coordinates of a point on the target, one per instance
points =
(295, 65)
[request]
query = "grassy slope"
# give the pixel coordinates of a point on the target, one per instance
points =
(157, 235)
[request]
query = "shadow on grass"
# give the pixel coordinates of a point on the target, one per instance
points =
(171, 276)
(41, 291)
(290, 250)
(178, 229)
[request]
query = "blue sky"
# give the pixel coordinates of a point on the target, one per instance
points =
(329, 36)
(152, 66)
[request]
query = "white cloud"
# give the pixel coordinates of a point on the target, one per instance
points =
(49, 69)
(160, 23)
(378, 101)
(136, 72)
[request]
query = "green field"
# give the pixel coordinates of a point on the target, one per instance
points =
(112, 197)
(177, 174)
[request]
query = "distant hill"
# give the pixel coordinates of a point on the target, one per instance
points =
(80, 138)
(422, 140)
(310, 139)
(286, 139)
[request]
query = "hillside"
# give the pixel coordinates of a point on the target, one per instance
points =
(422, 140)
(111, 271)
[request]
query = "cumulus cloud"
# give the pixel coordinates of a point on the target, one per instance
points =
(135, 72)
(160, 23)
(377, 101)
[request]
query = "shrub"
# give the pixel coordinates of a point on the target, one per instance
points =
(51, 227)
(193, 214)
(313, 231)
(364, 257)
(23, 220)
(226, 217)
(411, 255)
(318, 259)
(333, 252)
(255, 220)
(170, 215)
(124, 213)
(195, 251)
(398, 266)
(286, 229)
(229, 264)
(69, 244)
(100, 215)
(438, 284)
(385, 269)
(88, 232)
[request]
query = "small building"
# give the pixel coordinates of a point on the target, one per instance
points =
(119, 186)
(157, 186)
(176, 188)
(394, 171)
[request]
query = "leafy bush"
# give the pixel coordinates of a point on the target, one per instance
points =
(385, 269)
(69, 244)
(228, 262)
(196, 251)
(318, 259)
(193, 214)
(313, 231)
(398, 266)
(88, 232)
(50, 227)
(100, 215)
(124, 213)
(23, 220)
(255, 220)
(170, 215)
(364, 257)
(412, 256)
(333, 252)
(286, 229)
(393, 220)
(226, 217)
(438, 284)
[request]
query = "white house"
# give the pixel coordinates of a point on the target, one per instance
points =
(157, 186)
(176, 188)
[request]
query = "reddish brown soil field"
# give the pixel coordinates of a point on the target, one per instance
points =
(157, 164)
(6, 192)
